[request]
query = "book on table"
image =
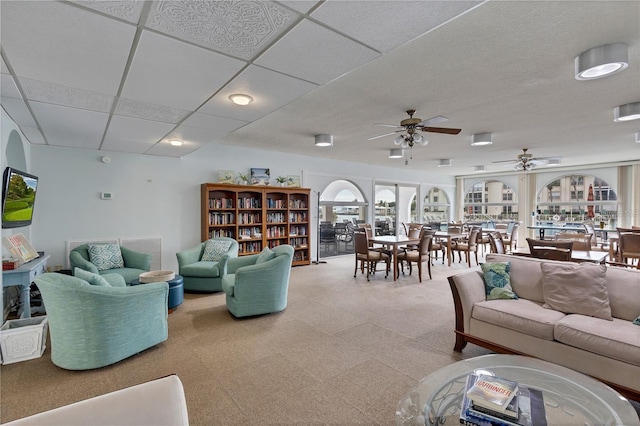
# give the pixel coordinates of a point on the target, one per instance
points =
(494, 393)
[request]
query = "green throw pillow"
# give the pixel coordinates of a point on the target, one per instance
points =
(265, 255)
(215, 249)
(106, 256)
(637, 320)
(497, 283)
(91, 278)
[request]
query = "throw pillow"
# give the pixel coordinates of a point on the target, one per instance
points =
(215, 249)
(576, 288)
(497, 282)
(106, 256)
(91, 278)
(265, 255)
(637, 320)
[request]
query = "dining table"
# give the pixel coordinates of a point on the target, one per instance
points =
(594, 256)
(394, 242)
(449, 237)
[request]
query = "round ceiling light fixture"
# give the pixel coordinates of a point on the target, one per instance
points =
(627, 112)
(240, 99)
(602, 61)
(324, 140)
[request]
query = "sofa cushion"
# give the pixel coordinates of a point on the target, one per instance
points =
(519, 315)
(576, 288)
(105, 256)
(215, 249)
(201, 269)
(525, 275)
(90, 277)
(619, 340)
(497, 284)
(623, 288)
(265, 255)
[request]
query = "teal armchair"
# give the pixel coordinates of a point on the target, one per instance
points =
(204, 275)
(92, 326)
(255, 287)
(135, 263)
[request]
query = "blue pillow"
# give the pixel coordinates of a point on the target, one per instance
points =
(637, 320)
(106, 256)
(91, 278)
(497, 283)
(215, 249)
(265, 255)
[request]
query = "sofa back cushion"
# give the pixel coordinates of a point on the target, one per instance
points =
(525, 275)
(623, 287)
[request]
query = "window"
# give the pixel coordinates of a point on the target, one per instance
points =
(490, 200)
(436, 207)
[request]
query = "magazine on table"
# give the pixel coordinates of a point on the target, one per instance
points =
(492, 392)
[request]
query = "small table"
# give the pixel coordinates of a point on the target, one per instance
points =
(176, 291)
(23, 276)
(569, 397)
(394, 241)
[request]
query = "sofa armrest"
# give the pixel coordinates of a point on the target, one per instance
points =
(77, 261)
(134, 259)
(467, 289)
(233, 263)
(189, 256)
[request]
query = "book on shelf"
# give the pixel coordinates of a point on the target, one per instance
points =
(531, 411)
(492, 392)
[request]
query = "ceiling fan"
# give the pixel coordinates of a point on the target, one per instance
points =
(526, 161)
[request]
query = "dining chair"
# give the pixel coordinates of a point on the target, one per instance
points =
(580, 241)
(629, 245)
(436, 245)
(552, 250)
(468, 246)
(495, 242)
(419, 256)
(367, 258)
(511, 242)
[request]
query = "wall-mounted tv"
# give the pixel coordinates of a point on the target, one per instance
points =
(18, 198)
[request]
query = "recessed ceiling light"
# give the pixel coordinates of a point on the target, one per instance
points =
(240, 99)
(627, 112)
(479, 169)
(445, 162)
(553, 162)
(602, 61)
(480, 139)
(395, 153)
(176, 142)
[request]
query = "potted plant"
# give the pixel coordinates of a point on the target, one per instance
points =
(242, 179)
(282, 180)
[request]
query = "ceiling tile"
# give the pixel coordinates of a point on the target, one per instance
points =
(129, 10)
(270, 90)
(239, 28)
(33, 135)
(390, 23)
(63, 44)
(166, 150)
(119, 145)
(187, 74)
(136, 130)
(314, 53)
(302, 6)
(195, 135)
(56, 94)
(138, 109)
(5, 69)
(8, 87)
(18, 111)
(213, 122)
(71, 127)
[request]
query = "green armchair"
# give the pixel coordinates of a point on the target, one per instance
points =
(257, 284)
(92, 326)
(201, 275)
(135, 263)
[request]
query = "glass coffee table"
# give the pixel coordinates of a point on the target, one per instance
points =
(570, 398)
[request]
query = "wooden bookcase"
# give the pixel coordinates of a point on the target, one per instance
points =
(258, 217)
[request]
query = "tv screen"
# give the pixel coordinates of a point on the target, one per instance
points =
(18, 198)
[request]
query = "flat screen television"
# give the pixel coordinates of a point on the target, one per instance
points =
(18, 198)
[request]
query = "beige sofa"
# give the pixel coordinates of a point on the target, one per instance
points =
(606, 350)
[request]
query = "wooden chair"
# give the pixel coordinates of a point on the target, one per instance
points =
(580, 241)
(469, 246)
(419, 256)
(552, 250)
(629, 245)
(436, 245)
(495, 242)
(367, 258)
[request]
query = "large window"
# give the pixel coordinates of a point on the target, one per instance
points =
(490, 200)
(385, 205)
(341, 202)
(436, 207)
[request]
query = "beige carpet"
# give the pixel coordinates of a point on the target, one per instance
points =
(344, 352)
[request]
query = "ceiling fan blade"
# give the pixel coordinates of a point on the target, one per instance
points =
(444, 130)
(433, 120)
(388, 125)
(382, 136)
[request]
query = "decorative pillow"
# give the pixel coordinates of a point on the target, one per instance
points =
(265, 255)
(215, 249)
(497, 283)
(90, 277)
(576, 288)
(106, 256)
(637, 320)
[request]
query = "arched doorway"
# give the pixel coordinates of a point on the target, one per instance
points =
(342, 207)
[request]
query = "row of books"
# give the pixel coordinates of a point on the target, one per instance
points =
(496, 401)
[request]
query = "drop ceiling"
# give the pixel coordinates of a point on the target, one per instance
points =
(129, 76)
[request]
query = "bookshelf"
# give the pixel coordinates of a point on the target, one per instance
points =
(258, 217)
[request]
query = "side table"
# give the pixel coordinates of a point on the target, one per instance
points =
(23, 276)
(176, 291)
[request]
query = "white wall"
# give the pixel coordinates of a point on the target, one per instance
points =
(157, 196)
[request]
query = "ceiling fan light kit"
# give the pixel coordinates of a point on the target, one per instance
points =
(627, 112)
(481, 139)
(602, 61)
(324, 140)
(396, 153)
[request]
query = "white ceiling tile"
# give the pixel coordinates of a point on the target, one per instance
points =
(129, 10)
(314, 53)
(195, 135)
(5, 68)
(238, 28)
(270, 90)
(390, 23)
(62, 44)
(147, 111)
(164, 149)
(33, 135)
(56, 94)
(135, 129)
(302, 6)
(8, 87)
(120, 145)
(187, 74)
(213, 122)
(18, 111)
(70, 127)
